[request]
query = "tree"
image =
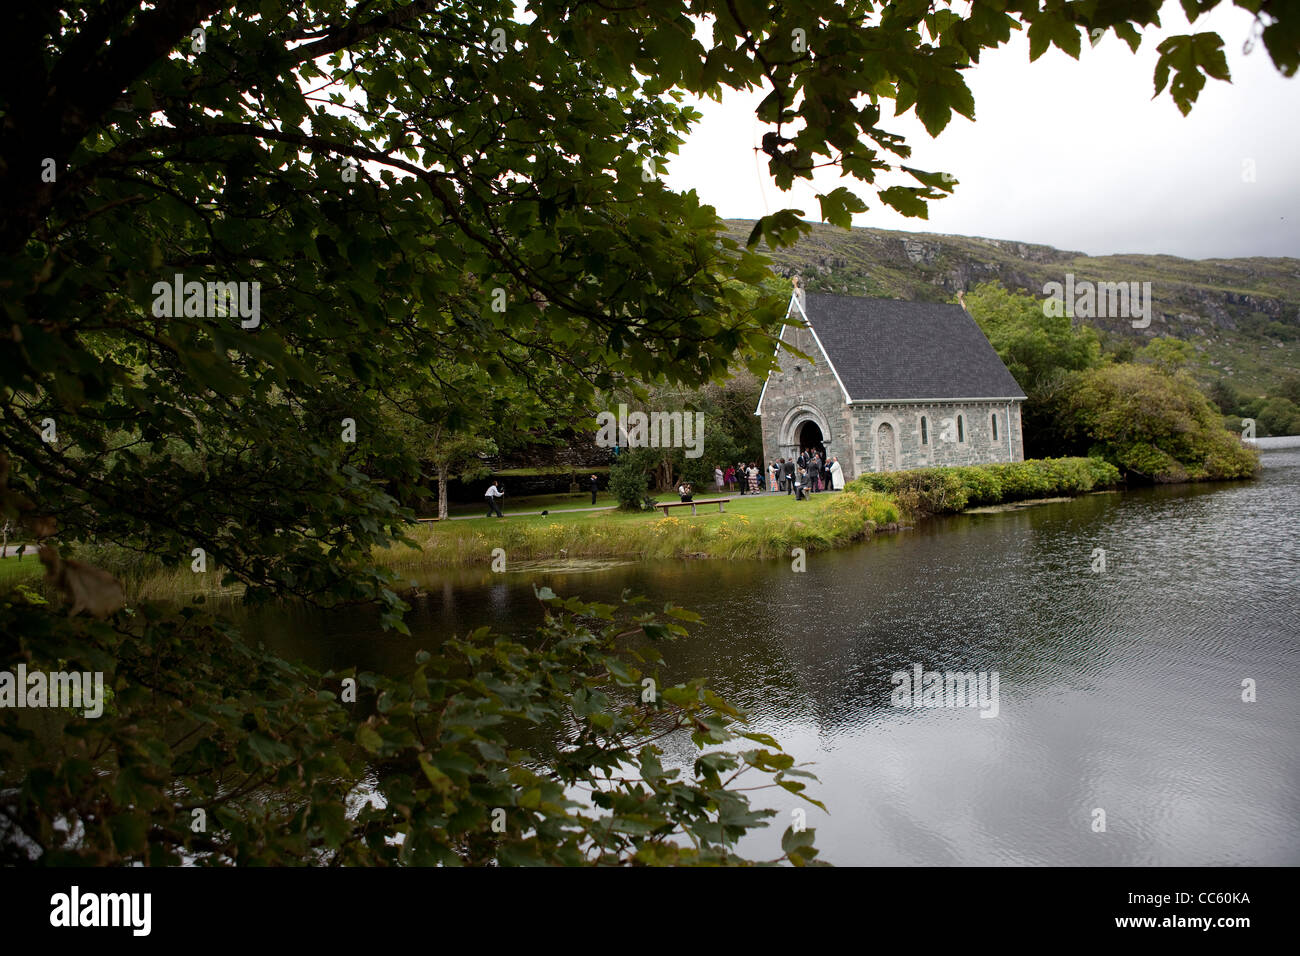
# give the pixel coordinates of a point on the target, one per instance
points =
(228, 232)
(730, 428)
(1040, 351)
(1035, 346)
(1224, 396)
(1289, 388)
(453, 454)
(1167, 354)
(1152, 425)
(453, 420)
(1278, 416)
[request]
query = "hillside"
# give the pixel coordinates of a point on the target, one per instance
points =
(1242, 315)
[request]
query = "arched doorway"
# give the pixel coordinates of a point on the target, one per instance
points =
(803, 426)
(886, 452)
(810, 437)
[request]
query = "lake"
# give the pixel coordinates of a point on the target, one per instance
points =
(1119, 690)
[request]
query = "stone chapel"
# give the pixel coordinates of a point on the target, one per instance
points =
(891, 385)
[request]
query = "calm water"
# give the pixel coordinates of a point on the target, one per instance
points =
(1118, 690)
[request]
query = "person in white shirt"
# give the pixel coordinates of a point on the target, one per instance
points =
(837, 475)
(494, 494)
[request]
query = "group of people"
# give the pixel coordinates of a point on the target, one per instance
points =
(811, 472)
(746, 477)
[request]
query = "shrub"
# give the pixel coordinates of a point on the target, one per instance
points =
(983, 485)
(1021, 479)
(944, 490)
(1278, 416)
(922, 491)
(627, 483)
(1153, 425)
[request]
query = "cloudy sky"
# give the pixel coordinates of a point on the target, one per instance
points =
(1074, 154)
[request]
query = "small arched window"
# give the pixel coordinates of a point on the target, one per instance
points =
(925, 431)
(961, 429)
(995, 427)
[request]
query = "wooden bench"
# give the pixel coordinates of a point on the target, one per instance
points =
(691, 504)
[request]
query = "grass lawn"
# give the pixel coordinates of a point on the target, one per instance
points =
(569, 502)
(753, 506)
(762, 526)
(12, 570)
(555, 502)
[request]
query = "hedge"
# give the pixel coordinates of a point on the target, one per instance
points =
(925, 491)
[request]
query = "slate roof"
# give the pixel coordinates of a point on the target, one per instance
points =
(895, 350)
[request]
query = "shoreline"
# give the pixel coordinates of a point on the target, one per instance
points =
(759, 527)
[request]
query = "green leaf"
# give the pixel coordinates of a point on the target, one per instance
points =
(906, 199)
(796, 840)
(368, 738)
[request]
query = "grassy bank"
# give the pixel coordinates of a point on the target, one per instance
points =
(763, 527)
(767, 526)
(758, 527)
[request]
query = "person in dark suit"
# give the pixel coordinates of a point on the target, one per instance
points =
(800, 485)
(594, 485)
(789, 476)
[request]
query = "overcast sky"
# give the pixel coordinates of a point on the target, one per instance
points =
(1074, 154)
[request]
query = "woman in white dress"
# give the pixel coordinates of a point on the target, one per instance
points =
(837, 475)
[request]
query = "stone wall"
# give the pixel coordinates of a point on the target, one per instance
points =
(941, 445)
